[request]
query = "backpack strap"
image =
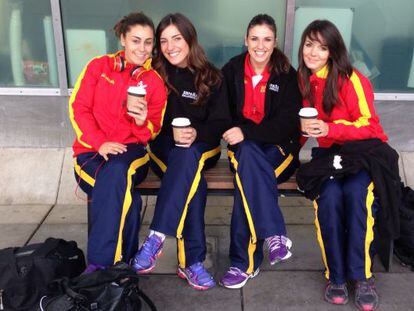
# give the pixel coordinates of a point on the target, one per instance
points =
(108, 275)
(147, 300)
(64, 283)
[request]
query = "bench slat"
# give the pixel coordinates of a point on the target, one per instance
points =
(218, 178)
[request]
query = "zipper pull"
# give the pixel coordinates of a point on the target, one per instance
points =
(1, 300)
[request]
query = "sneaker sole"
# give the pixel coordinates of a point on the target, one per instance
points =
(288, 255)
(148, 270)
(184, 276)
(366, 307)
(337, 301)
(240, 285)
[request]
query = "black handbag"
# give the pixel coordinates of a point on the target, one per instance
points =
(404, 245)
(26, 271)
(113, 289)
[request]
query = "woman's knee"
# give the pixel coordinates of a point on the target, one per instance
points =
(185, 155)
(331, 193)
(356, 186)
(247, 148)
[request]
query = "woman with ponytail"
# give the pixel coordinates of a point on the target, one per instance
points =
(263, 144)
(111, 137)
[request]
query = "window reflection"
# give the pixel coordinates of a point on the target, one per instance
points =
(221, 25)
(27, 48)
(380, 34)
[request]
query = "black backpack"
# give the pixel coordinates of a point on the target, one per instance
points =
(404, 245)
(113, 289)
(26, 271)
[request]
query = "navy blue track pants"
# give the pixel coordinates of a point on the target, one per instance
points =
(344, 219)
(181, 200)
(256, 213)
(115, 205)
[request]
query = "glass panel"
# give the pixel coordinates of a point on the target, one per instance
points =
(27, 47)
(379, 35)
(88, 25)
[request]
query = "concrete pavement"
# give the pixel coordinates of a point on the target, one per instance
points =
(38, 200)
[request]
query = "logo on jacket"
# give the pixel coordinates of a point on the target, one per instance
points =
(103, 75)
(191, 95)
(274, 87)
(141, 85)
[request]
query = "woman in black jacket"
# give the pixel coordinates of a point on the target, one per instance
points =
(263, 143)
(196, 92)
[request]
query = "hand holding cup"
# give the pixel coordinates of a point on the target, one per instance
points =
(184, 134)
(317, 128)
(307, 115)
(137, 104)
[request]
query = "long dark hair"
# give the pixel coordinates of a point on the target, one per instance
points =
(339, 66)
(132, 19)
(278, 61)
(206, 75)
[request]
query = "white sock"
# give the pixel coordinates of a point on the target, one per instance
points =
(159, 234)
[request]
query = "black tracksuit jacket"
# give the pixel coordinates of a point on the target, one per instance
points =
(210, 119)
(280, 125)
(373, 155)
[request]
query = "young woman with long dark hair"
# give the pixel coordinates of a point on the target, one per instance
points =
(345, 208)
(196, 92)
(263, 140)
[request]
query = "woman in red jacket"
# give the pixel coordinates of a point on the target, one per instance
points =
(111, 138)
(345, 208)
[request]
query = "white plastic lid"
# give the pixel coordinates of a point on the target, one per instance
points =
(139, 90)
(181, 122)
(308, 112)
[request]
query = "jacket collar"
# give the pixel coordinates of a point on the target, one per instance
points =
(237, 63)
(322, 73)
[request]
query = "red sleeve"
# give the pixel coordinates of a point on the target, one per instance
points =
(156, 99)
(81, 104)
(358, 96)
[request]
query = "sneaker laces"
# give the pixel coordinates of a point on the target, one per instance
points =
(274, 242)
(236, 271)
(366, 287)
(337, 286)
(151, 245)
(200, 272)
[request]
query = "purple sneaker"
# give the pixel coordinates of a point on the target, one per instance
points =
(278, 246)
(366, 297)
(235, 278)
(336, 294)
(90, 268)
(144, 260)
(197, 276)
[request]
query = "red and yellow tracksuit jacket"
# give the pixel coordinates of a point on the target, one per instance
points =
(97, 107)
(354, 117)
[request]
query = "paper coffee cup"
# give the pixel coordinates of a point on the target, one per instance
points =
(137, 91)
(306, 114)
(134, 92)
(179, 124)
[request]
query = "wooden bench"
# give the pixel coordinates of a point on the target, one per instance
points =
(220, 182)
